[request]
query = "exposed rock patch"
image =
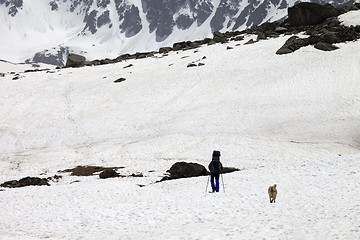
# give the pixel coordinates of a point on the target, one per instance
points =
(322, 36)
(187, 170)
(29, 181)
(87, 170)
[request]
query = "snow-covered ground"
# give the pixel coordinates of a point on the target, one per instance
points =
(288, 119)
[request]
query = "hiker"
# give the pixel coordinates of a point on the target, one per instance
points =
(215, 168)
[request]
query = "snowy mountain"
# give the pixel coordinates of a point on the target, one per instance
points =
(46, 31)
(290, 120)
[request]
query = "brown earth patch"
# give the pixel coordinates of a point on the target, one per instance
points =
(87, 170)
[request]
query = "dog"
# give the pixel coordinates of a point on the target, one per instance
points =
(272, 193)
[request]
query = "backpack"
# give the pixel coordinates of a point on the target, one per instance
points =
(215, 165)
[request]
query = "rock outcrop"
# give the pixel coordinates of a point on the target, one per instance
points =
(27, 181)
(75, 60)
(187, 170)
(306, 13)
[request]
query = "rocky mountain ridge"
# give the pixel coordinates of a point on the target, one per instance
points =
(130, 26)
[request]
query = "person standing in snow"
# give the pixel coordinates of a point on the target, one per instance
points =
(215, 168)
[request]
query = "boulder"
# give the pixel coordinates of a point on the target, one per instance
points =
(291, 45)
(108, 173)
(75, 60)
(119, 80)
(186, 170)
(329, 37)
(325, 46)
(294, 43)
(306, 13)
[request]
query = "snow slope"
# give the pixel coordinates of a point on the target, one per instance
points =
(285, 119)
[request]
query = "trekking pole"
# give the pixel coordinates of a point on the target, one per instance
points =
(207, 183)
(222, 179)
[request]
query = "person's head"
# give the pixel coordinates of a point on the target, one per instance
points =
(216, 155)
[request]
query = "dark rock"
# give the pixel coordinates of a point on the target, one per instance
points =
(36, 70)
(75, 60)
(106, 61)
(261, 36)
(28, 181)
(137, 175)
(55, 178)
(109, 173)
(218, 34)
(94, 63)
(119, 80)
(310, 13)
(330, 37)
(130, 65)
(165, 49)
(347, 8)
(181, 45)
(238, 38)
(357, 28)
(251, 41)
(325, 46)
(87, 170)
(281, 30)
(191, 65)
(229, 170)
(283, 50)
(293, 44)
(139, 55)
(123, 57)
(186, 170)
(271, 34)
(2, 74)
(201, 64)
(220, 40)
(206, 41)
(211, 42)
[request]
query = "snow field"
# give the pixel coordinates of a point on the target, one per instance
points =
(290, 120)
